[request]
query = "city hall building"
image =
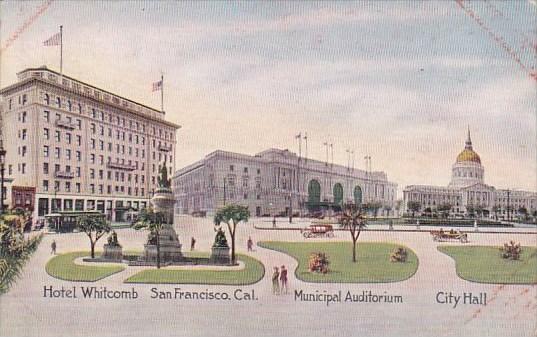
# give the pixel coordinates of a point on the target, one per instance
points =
(276, 182)
(74, 147)
(467, 192)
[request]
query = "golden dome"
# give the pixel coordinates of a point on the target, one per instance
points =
(468, 155)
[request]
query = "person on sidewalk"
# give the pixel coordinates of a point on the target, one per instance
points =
(192, 243)
(250, 244)
(275, 282)
(283, 280)
(53, 247)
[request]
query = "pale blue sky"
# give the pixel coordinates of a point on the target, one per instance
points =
(399, 80)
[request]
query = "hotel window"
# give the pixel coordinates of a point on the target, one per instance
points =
(68, 154)
(56, 168)
(23, 168)
(78, 140)
(93, 113)
(143, 139)
(101, 145)
(77, 187)
(92, 188)
(79, 124)
(45, 150)
(245, 170)
(68, 137)
(45, 168)
(56, 185)
(57, 136)
(67, 186)
(23, 136)
(78, 156)
(78, 174)
(100, 189)
(46, 116)
(69, 105)
(92, 128)
(45, 185)
(79, 108)
(93, 143)
(92, 158)
(92, 173)
(231, 167)
(101, 159)
(23, 117)
(24, 99)
(59, 102)
(47, 99)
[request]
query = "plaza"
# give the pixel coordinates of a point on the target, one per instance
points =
(514, 305)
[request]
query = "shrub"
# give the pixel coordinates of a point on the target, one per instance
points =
(399, 255)
(511, 250)
(318, 263)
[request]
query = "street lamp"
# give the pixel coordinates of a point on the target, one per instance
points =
(290, 207)
(2, 171)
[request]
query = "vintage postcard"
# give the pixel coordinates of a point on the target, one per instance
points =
(268, 168)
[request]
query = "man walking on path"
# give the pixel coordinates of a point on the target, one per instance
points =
(192, 243)
(250, 244)
(275, 282)
(53, 247)
(283, 279)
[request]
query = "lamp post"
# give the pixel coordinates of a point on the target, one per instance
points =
(2, 171)
(290, 207)
(224, 191)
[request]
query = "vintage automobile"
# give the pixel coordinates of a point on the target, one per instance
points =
(318, 231)
(442, 235)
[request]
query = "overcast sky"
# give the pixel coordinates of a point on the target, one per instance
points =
(398, 80)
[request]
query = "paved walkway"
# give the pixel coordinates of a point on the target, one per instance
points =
(511, 310)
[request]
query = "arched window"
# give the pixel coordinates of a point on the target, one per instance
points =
(338, 194)
(314, 192)
(358, 195)
(47, 99)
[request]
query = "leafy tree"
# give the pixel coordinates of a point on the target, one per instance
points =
(354, 220)
(232, 215)
(414, 206)
(444, 209)
(95, 226)
(15, 249)
(496, 209)
(523, 211)
(153, 222)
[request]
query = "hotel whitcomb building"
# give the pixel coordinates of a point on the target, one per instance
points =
(467, 191)
(72, 146)
(273, 182)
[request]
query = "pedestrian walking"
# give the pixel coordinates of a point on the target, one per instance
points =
(53, 247)
(275, 282)
(274, 222)
(192, 243)
(250, 244)
(283, 280)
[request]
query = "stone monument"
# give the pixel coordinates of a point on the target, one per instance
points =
(163, 203)
(220, 249)
(112, 249)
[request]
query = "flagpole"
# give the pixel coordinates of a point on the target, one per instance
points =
(61, 50)
(162, 92)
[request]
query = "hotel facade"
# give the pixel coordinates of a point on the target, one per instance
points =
(276, 182)
(467, 192)
(74, 147)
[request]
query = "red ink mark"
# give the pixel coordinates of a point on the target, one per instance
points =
(26, 24)
(495, 36)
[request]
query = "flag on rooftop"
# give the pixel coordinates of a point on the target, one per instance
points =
(157, 85)
(54, 40)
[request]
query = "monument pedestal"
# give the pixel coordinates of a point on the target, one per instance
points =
(220, 255)
(113, 252)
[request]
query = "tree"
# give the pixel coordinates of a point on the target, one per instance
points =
(95, 226)
(232, 215)
(373, 207)
(353, 219)
(153, 222)
(496, 209)
(444, 209)
(414, 206)
(398, 205)
(523, 211)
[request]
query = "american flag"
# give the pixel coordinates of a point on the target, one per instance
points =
(54, 40)
(157, 86)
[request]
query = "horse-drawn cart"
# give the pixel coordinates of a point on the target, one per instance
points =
(318, 231)
(450, 235)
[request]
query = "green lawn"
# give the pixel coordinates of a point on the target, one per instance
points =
(484, 264)
(252, 273)
(63, 267)
(373, 261)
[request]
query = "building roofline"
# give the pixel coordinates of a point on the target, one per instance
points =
(44, 68)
